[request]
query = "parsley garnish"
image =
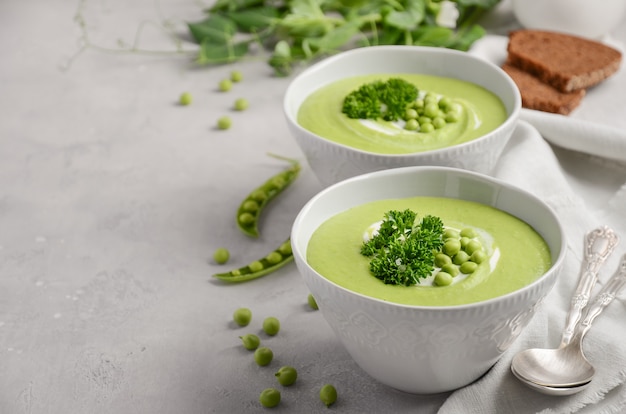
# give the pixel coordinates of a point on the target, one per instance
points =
(380, 99)
(403, 252)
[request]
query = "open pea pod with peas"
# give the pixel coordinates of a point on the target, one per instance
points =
(252, 206)
(248, 216)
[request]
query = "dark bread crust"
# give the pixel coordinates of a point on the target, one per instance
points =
(541, 96)
(564, 61)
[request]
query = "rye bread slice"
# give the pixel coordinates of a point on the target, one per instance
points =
(541, 96)
(564, 61)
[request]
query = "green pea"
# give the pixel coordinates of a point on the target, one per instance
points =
(426, 128)
(241, 104)
(256, 266)
(246, 218)
(443, 279)
(286, 375)
(464, 242)
(431, 110)
(242, 316)
(411, 125)
(410, 114)
(312, 302)
(452, 117)
(442, 259)
(468, 232)
(224, 122)
(439, 122)
(225, 85)
(451, 247)
(258, 195)
(269, 398)
(450, 234)
(473, 246)
(478, 256)
(221, 255)
(460, 258)
(263, 356)
(271, 325)
(278, 182)
(251, 206)
(451, 269)
(285, 248)
(185, 99)
(419, 103)
(445, 103)
(250, 341)
(468, 267)
(236, 76)
(274, 257)
(424, 120)
(430, 99)
(328, 394)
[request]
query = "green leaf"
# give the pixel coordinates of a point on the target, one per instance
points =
(433, 36)
(233, 5)
(466, 38)
(216, 28)
(335, 39)
(254, 19)
(409, 18)
(211, 53)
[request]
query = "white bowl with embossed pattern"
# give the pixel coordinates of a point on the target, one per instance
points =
(422, 349)
(332, 162)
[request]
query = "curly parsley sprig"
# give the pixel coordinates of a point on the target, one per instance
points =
(403, 252)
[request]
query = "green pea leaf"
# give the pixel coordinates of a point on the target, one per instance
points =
(254, 19)
(216, 28)
(232, 5)
(409, 18)
(211, 53)
(433, 36)
(335, 39)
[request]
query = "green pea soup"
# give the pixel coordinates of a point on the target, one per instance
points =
(321, 114)
(518, 255)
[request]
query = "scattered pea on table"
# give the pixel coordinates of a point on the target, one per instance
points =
(271, 325)
(269, 397)
(263, 356)
(250, 341)
(242, 316)
(328, 394)
(286, 375)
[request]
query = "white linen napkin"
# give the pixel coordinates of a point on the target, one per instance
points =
(578, 135)
(530, 163)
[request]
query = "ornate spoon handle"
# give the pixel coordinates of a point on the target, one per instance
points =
(599, 244)
(610, 290)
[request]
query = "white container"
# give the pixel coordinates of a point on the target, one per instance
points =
(332, 162)
(426, 349)
(591, 19)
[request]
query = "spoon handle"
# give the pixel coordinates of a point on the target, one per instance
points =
(598, 245)
(604, 297)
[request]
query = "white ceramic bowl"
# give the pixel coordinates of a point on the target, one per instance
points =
(421, 349)
(592, 19)
(333, 162)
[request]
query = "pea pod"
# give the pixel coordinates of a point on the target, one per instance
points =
(271, 262)
(252, 206)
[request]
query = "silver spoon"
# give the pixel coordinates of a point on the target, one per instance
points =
(567, 367)
(598, 245)
(551, 390)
